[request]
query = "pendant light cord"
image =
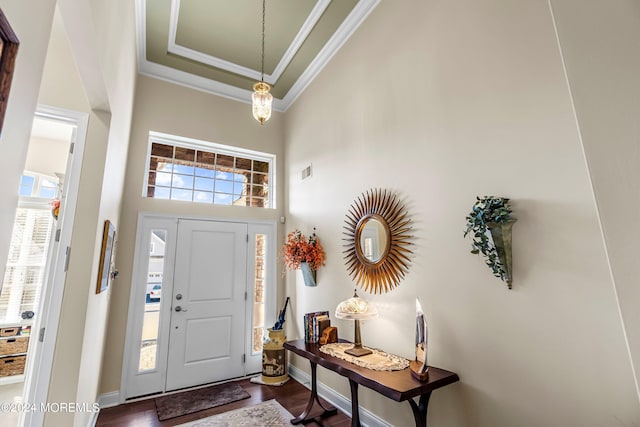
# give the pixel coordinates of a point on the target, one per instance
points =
(263, 16)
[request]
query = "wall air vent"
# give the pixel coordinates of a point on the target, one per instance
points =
(306, 172)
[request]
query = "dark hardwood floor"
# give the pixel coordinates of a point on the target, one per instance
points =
(292, 395)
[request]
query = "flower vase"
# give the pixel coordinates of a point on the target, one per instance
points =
(308, 274)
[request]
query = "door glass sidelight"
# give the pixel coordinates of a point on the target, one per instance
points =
(259, 292)
(153, 301)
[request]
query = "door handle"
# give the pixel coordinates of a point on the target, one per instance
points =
(178, 308)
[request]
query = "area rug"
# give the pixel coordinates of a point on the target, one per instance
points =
(191, 401)
(265, 414)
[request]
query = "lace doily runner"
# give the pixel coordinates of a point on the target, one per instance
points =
(378, 360)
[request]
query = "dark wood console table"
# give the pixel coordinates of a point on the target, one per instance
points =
(396, 385)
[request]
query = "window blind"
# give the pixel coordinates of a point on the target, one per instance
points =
(24, 274)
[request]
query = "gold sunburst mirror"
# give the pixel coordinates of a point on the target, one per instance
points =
(376, 241)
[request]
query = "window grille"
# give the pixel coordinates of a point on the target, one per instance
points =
(201, 172)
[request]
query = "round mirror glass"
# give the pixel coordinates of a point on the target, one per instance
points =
(373, 239)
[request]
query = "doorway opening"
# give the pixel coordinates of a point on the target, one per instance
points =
(34, 273)
(202, 291)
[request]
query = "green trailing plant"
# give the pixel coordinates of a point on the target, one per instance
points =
(487, 210)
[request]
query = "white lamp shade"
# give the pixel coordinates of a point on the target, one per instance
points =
(356, 308)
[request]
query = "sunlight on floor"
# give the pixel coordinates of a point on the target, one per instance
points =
(10, 393)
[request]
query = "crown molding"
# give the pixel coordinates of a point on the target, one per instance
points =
(333, 45)
(296, 43)
(359, 13)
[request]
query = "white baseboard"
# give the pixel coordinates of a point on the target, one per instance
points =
(109, 400)
(93, 419)
(12, 379)
(341, 402)
(367, 419)
(106, 400)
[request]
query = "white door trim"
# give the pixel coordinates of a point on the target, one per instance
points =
(254, 362)
(40, 356)
(156, 377)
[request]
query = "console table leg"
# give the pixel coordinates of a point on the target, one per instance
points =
(313, 398)
(355, 407)
(420, 409)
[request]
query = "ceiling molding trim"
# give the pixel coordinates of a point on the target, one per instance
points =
(162, 72)
(182, 78)
(298, 40)
(333, 45)
(151, 69)
(185, 52)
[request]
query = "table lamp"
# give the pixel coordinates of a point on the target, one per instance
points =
(356, 309)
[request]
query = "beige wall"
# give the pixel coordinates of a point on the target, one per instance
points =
(441, 102)
(47, 156)
(91, 60)
(600, 50)
(176, 110)
(62, 87)
(33, 32)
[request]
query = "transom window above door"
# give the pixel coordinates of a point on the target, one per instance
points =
(204, 172)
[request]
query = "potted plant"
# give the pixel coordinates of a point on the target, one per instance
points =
(305, 254)
(489, 224)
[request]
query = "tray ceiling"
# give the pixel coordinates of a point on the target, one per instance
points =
(215, 45)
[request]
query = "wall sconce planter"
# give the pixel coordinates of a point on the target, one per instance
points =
(501, 235)
(308, 274)
(306, 255)
(490, 226)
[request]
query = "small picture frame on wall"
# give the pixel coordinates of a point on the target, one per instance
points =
(108, 243)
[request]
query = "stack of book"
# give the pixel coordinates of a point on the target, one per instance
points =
(314, 324)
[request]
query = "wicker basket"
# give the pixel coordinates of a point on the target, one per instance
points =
(12, 365)
(10, 332)
(13, 345)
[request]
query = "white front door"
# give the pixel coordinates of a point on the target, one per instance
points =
(208, 302)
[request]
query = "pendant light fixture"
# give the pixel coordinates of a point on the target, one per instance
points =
(261, 98)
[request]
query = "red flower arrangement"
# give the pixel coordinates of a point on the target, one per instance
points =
(55, 208)
(298, 249)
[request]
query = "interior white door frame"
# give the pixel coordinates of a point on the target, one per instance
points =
(135, 382)
(45, 327)
(254, 359)
(268, 227)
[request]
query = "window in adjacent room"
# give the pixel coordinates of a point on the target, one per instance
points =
(26, 263)
(202, 172)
